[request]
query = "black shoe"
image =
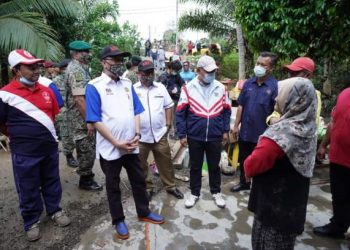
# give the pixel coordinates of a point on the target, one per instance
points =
(150, 195)
(176, 193)
(329, 230)
(240, 187)
(88, 183)
(71, 161)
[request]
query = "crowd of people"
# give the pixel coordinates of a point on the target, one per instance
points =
(120, 117)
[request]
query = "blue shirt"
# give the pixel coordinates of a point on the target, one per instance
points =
(187, 76)
(257, 104)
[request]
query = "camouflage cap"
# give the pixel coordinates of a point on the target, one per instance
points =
(79, 45)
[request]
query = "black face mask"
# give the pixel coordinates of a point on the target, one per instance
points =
(147, 80)
(117, 69)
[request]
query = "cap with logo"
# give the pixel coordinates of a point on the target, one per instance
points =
(207, 63)
(301, 63)
(146, 65)
(20, 56)
(112, 51)
(79, 46)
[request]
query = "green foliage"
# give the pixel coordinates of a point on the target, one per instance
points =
(229, 66)
(292, 28)
(98, 25)
(170, 36)
(23, 25)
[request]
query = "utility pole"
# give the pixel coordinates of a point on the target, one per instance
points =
(176, 24)
(149, 32)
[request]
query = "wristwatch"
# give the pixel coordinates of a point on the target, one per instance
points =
(138, 134)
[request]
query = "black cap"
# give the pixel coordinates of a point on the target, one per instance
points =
(146, 65)
(112, 51)
(135, 60)
(63, 63)
(176, 65)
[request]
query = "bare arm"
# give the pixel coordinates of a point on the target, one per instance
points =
(80, 102)
(235, 131)
(169, 117)
(322, 149)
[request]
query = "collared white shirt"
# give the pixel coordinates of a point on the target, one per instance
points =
(155, 99)
(116, 105)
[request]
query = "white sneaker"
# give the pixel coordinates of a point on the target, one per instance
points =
(191, 200)
(219, 201)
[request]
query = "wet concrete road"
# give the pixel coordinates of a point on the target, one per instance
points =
(206, 226)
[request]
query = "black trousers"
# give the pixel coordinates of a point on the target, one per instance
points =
(340, 189)
(245, 149)
(133, 168)
(212, 150)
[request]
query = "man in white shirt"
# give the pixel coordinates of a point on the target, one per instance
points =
(155, 124)
(114, 109)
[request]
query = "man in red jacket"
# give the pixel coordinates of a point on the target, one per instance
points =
(338, 137)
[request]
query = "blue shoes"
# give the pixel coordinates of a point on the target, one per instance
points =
(153, 218)
(122, 230)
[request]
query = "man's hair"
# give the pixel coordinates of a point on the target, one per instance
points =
(273, 57)
(128, 65)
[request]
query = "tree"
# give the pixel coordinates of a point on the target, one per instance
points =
(23, 25)
(292, 28)
(97, 24)
(218, 20)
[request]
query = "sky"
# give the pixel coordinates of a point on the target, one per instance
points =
(155, 17)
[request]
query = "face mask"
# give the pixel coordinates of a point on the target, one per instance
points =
(208, 78)
(26, 81)
(117, 69)
(86, 58)
(259, 71)
(147, 80)
(174, 73)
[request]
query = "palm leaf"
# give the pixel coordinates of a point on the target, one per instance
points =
(28, 31)
(64, 8)
(213, 22)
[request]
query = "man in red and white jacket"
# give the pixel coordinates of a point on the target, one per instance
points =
(203, 122)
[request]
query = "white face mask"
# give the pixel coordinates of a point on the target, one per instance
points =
(259, 71)
(26, 81)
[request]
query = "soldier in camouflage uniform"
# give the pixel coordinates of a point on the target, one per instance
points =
(76, 78)
(61, 118)
(132, 74)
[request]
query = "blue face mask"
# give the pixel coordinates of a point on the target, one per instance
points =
(259, 71)
(208, 78)
(26, 81)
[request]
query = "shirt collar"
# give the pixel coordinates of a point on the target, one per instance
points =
(270, 79)
(18, 85)
(108, 79)
(139, 85)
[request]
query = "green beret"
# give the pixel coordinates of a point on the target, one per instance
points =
(79, 45)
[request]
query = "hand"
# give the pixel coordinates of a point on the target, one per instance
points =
(183, 142)
(224, 139)
(235, 133)
(126, 145)
(91, 129)
(248, 179)
(274, 120)
(321, 152)
(135, 140)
